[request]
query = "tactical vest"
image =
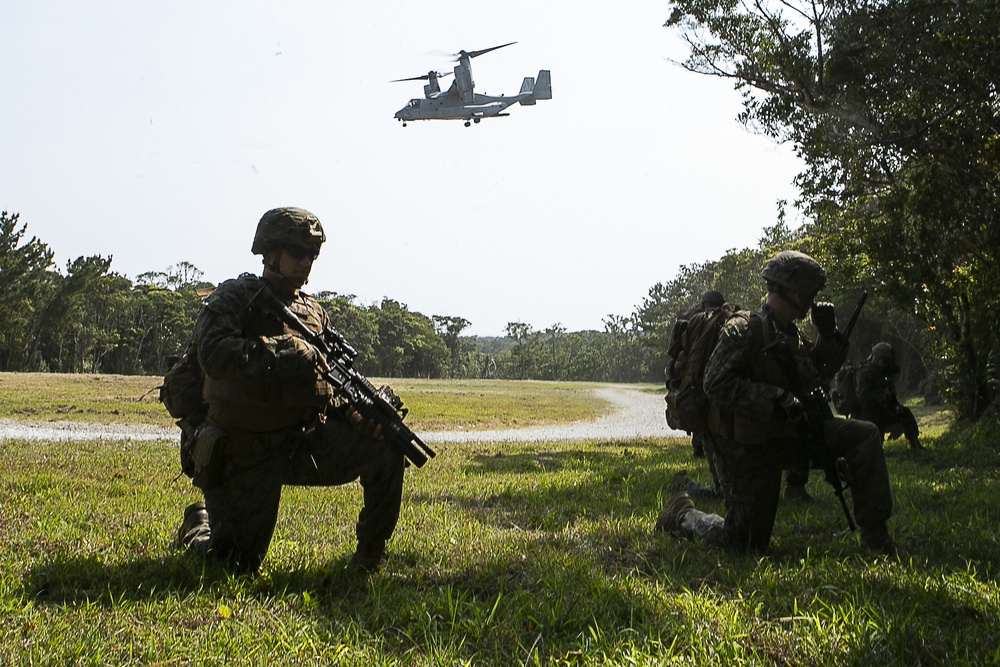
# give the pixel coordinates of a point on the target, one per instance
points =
(261, 404)
(769, 358)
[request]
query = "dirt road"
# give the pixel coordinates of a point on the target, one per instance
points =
(637, 414)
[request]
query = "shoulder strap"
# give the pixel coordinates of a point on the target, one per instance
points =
(760, 334)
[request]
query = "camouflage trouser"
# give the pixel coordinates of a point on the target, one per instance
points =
(244, 490)
(751, 481)
(707, 444)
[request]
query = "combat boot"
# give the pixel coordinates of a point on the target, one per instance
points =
(798, 494)
(876, 541)
(681, 482)
(194, 524)
(671, 517)
(368, 558)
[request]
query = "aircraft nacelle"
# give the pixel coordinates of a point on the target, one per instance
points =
(463, 79)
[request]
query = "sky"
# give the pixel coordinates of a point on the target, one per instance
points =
(159, 133)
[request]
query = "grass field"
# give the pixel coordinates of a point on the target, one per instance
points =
(506, 554)
(434, 404)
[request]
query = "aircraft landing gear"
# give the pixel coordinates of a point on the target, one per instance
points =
(476, 120)
(404, 123)
(467, 123)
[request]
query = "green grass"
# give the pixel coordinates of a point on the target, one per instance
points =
(126, 399)
(506, 554)
(433, 404)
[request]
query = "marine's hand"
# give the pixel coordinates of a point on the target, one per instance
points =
(793, 407)
(825, 318)
(368, 427)
(309, 357)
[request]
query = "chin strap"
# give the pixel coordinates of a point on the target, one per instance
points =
(282, 284)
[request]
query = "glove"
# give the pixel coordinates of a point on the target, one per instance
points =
(368, 427)
(293, 356)
(793, 407)
(825, 318)
(307, 355)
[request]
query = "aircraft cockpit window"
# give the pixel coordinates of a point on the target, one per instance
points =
(415, 104)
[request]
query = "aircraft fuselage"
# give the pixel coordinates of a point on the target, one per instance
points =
(445, 107)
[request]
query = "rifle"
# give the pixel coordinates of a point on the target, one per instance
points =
(817, 405)
(380, 405)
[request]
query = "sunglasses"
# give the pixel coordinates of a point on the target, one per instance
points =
(301, 252)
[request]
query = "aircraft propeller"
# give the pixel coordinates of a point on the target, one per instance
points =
(473, 54)
(425, 77)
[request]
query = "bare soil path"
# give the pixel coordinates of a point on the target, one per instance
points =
(637, 414)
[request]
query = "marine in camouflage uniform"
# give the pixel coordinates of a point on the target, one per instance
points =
(271, 417)
(877, 399)
(759, 363)
(701, 443)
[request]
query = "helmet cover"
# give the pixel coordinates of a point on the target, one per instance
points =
(287, 226)
(795, 271)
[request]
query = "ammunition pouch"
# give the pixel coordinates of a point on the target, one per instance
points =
(189, 430)
(208, 454)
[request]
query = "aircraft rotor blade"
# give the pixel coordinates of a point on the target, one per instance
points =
(425, 77)
(474, 54)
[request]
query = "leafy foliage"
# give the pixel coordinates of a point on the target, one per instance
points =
(893, 106)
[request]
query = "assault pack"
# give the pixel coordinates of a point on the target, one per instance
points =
(842, 391)
(181, 395)
(691, 343)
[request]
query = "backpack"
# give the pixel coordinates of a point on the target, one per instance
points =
(842, 392)
(692, 341)
(181, 394)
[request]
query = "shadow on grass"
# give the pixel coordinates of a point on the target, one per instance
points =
(614, 478)
(62, 578)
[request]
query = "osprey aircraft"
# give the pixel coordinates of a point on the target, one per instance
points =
(461, 102)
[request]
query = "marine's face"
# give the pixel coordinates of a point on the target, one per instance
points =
(800, 302)
(290, 265)
(295, 262)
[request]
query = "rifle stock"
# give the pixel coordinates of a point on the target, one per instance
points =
(379, 405)
(817, 412)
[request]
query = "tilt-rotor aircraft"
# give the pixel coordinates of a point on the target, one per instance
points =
(461, 102)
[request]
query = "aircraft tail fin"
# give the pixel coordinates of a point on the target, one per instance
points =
(543, 85)
(536, 89)
(527, 86)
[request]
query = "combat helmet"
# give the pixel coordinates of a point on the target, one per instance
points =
(287, 226)
(712, 299)
(884, 352)
(795, 271)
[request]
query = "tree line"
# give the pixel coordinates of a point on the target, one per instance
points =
(89, 319)
(893, 107)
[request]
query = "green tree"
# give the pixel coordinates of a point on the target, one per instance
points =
(24, 276)
(407, 344)
(893, 106)
(356, 323)
(624, 353)
(450, 329)
(521, 334)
